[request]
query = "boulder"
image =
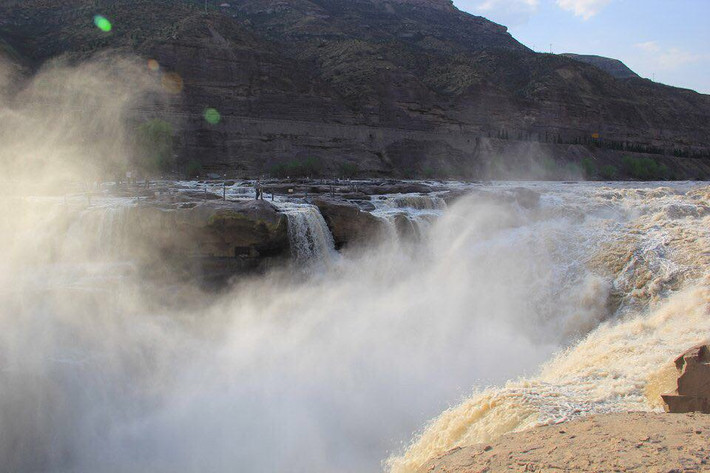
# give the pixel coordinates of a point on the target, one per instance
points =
(212, 239)
(693, 392)
(347, 222)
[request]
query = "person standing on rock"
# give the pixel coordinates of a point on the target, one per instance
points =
(257, 188)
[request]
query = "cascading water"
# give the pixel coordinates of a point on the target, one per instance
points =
(566, 299)
(654, 254)
(408, 215)
(309, 237)
(333, 372)
(99, 231)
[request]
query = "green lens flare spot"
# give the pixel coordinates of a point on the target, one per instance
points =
(212, 116)
(102, 23)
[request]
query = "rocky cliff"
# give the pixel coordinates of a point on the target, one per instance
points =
(379, 87)
(613, 67)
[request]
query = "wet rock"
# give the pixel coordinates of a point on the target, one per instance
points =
(354, 196)
(210, 239)
(201, 195)
(365, 205)
(693, 392)
(394, 187)
(347, 222)
(453, 195)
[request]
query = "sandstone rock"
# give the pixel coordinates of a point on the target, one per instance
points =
(347, 222)
(210, 239)
(637, 442)
(693, 392)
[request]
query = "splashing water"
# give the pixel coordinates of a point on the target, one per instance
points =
(408, 215)
(310, 239)
(333, 372)
(570, 304)
(622, 365)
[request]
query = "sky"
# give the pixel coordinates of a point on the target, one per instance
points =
(668, 40)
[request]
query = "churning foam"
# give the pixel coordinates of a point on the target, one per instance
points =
(104, 370)
(657, 261)
(332, 372)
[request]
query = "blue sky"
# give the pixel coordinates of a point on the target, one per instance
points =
(666, 38)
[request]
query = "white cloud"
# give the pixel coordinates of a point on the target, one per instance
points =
(667, 58)
(514, 4)
(507, 12)
(649, 46)
(584, 8)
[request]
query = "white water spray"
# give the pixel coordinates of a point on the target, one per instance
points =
(103, 370)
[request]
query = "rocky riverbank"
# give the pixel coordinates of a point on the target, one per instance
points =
(629, 442)
(217, 229)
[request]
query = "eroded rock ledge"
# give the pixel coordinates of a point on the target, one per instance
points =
(210, 239)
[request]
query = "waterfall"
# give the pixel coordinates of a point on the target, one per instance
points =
(584, 295)
(309, 237)
(418, 202)
(99, 232)
(409, 216)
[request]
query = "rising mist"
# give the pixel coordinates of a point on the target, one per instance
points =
(327, 369)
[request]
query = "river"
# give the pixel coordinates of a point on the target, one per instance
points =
(500, 315)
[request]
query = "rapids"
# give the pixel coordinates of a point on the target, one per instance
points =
(571, 306)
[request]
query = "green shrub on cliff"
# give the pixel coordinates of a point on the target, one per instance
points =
(154, 140)
(589, 167)
(193, 168)
(644, 168)
(349, 170)
(608, 172)
(308, 167)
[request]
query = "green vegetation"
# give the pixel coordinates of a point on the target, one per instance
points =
(644, 168)
(155, 146)
(589, 167)
(193, 168)
(608, 172)
(349, 170)
(308, 167)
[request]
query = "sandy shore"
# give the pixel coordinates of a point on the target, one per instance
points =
(633, 442)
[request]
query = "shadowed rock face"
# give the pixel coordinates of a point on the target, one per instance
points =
(388, 87)
(212, 240)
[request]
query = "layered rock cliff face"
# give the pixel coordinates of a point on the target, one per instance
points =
(378, 87)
